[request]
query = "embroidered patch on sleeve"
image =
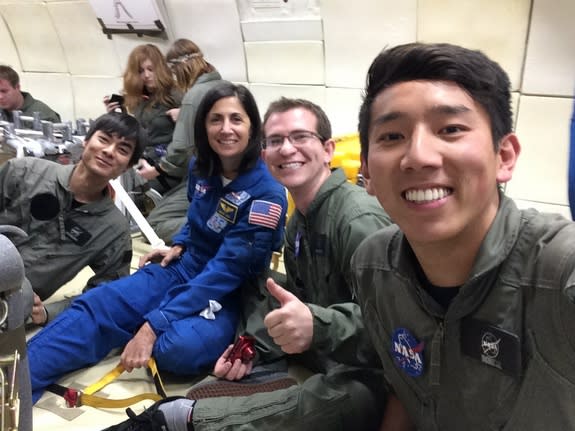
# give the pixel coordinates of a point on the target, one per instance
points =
(264, 213)
(227, 210)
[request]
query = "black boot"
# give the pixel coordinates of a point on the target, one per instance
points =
(151, 419)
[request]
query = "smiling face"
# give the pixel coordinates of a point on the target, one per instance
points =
(107, 156)
(432, 164)
(147, 75)
(302, 168)
(228, 130)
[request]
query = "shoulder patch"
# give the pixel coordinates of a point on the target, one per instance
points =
(238, 198)
(264, 213)
(227, 210)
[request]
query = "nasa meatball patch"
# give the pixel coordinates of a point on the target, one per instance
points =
(493, 346)
(407, 352)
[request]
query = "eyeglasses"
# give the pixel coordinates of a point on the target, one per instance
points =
(297, 138)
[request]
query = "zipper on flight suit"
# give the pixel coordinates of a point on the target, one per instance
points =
(435, 362)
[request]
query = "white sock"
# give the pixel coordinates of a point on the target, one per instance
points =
(177, 413)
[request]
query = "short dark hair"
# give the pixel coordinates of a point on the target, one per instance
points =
(284, 104)
(207, 160)
(483, 79)
(9, 74)
(125, 126)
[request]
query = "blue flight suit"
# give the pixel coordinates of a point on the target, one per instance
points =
(229, 237)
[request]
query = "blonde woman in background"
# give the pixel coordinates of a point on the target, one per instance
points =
(151, 95)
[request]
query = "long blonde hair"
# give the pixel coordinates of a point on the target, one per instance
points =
(134, 86)
(187, 63)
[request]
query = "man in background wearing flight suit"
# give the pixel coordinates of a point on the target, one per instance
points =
(13, 99)
(68, 213)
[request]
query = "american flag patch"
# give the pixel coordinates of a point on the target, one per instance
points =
(264, 213)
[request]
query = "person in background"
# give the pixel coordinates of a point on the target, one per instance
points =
(469, 301)
(184, 310)
(312, 320)
(150, 94)
(12, 98)
(68, 214)
(195, 76)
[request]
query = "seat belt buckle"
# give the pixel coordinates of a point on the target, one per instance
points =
(73, 398)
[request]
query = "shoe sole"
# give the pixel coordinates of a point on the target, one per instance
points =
(224, 388)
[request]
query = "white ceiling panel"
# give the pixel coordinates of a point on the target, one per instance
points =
(265, 94)
(290, 62)
(40, 50)
(550, 61)
(8, 54)
(214, 25)
(54, 89)
(303, 29)
(88, 50)
(355, 32)
(498, 28)
(342, 108)
(543, 131)
(89, 92)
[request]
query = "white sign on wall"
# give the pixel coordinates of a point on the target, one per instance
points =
(128, 15)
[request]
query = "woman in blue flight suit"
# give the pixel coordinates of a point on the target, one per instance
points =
(184, 310)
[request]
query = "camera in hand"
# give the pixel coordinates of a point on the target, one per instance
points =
(119, 99)
(244, 349)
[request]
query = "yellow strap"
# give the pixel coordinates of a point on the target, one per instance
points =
(108, 378)
(99, 402)
(89, 399)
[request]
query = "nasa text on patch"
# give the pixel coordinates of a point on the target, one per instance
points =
(491, 345)
(407, 352)
(264, 213)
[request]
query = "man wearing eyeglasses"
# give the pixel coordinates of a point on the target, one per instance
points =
(312, 320)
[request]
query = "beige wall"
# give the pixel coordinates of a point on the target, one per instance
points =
(65, 60)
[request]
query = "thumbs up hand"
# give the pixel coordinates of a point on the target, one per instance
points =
(291, 325)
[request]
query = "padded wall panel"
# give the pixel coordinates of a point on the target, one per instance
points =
(355, 32)
(54, 89)
(8, 53)
(87, 49)
(290, 62)
(301, 29)
(342, 108)
(89, 92)
(544, 207)
(35, 37)
(550, 61)
(215, 26)
(499, 28)
(543, 131)
(265, 94)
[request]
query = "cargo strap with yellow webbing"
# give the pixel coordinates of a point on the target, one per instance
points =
(86, 397)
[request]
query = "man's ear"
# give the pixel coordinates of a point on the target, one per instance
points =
(329, 148)
(507, 154)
